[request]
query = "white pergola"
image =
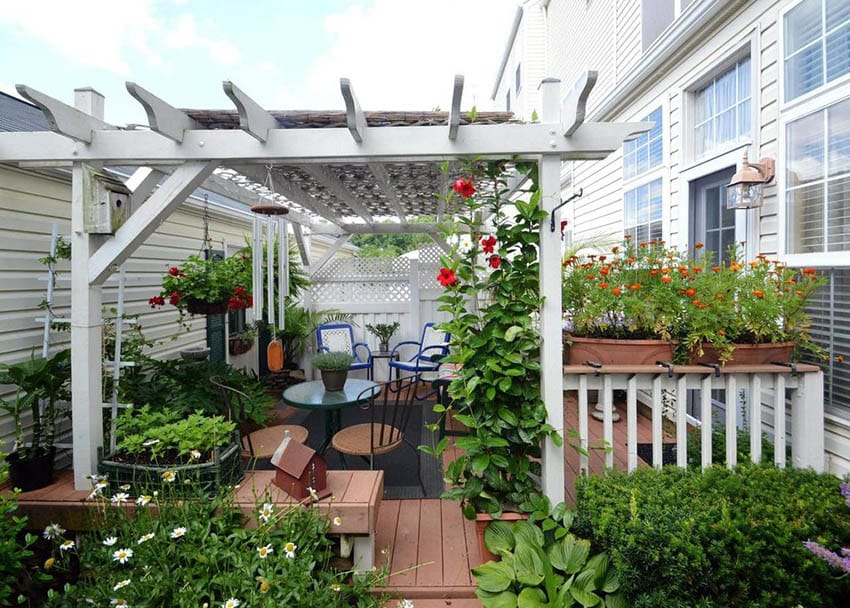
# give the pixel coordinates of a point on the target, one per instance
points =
(340, 173)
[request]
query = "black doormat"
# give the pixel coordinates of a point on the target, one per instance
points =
(399, 466)
(668, 453)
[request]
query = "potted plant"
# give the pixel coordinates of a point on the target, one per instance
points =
(199, 286)
(383, 331)
(624, 305)
(334, 367)
(40, 386)
(241, 343)
(749, 312)
(491, 296)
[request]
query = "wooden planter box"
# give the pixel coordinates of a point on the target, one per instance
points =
(208, 477)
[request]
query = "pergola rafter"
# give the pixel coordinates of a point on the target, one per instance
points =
(351, 168)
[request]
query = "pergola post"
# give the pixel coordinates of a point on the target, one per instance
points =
(551, 375)
(86, 335)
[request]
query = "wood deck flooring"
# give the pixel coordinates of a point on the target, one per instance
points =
(428, 545)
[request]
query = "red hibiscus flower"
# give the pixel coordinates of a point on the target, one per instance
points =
(489, 244)
(447, 278)
(494, 261)
(464, 187)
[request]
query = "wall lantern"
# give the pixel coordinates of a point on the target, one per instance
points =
(746, 190)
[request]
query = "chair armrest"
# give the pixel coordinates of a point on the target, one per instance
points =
(436, 356)
(364, 345)
(323, 349)
(395, 348)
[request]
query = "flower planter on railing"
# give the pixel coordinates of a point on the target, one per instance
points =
(609, 351)
(748, 354)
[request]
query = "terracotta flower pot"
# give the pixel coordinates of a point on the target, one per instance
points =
(749, 354)
(609, 351)
(482, 520)
(334, 379)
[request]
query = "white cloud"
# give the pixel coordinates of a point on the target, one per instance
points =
(185, 35)
(400, 55)
(95, 34)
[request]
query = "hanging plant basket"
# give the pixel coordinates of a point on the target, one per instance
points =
(237, 345)
(199, 307)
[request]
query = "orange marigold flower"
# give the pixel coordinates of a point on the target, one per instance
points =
(603, 286)
(810, 271)
(666, 279)
(644, 244)
(615, 250)
(665, 270)
(604, 271)
(698, 245)
(720, 332)
(617, 291)
(602, 258)
(653, 272)
(635, 286)
(799, 292)
(754, 264)
(591, 276)
(758, 293)
(839, 358)
(690, 292)
(716, 269)
(630, 260)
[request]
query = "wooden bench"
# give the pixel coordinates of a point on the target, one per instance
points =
(355, 498)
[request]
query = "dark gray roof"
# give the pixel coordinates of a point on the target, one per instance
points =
(18, 115)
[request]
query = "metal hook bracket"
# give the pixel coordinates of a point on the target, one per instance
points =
(575, 195)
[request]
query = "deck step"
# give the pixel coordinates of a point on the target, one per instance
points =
(439, 603)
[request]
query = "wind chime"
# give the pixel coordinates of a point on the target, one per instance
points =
(270, 229)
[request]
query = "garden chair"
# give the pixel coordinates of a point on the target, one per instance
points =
(430, 349)
(390, 406)
(260, 443)
(340, 337)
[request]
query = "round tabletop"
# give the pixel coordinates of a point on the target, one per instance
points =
(313, 396)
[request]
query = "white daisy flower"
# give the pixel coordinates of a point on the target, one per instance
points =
(169, 476)
(122, 556)
(231, 603)
(53, 531)
(95, 494)
(337, 521)
(406, 604)
(143, 500)
(265, 551)
(289, 549)
(110, 540)
(121, 584)
(120, 497)
(68, 544)
(313, 494)
(119, 603)
(195, 454)
(145, 538)
(124, 487)
(266, 512)
(178, 532)
(150, 442)
(100, 485)
(464, 244)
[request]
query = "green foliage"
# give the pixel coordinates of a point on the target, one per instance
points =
(392, 245)
(543, 565)
(719, 539)
(383, 331)
(333, 360)
(492, 296)
(41, 384)
(151, 437)
(718, 447)
(191, 553)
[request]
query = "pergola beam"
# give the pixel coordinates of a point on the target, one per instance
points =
(162, 117)
(355, 118)
(253, 119)
(316, 146)
(147, 218)
(302, 245)
(65, 120)
(574, 108)
(333, 184)
(454, 112)
(383, 180)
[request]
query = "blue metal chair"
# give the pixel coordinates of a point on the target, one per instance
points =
(430, 349)
(339, 337)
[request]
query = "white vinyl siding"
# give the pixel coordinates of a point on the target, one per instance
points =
(817, 193)
(723, 109)
(817, 45)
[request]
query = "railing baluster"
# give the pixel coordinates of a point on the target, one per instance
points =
(582, 423)
(682, 421)
(607, 420)
(754, 403)
(705, 415)
(731, 421)
(657, 405)
(631, 422)
(779, 422)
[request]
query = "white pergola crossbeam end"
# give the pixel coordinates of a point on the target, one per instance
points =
(162, 117)
(253, 119)
(355, 118)
(454, 112)
(574, 108)
(64, 119)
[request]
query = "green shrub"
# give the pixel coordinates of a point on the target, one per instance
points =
(718, 446)
(719, 539)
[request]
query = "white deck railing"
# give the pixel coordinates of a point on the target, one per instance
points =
(779, 390)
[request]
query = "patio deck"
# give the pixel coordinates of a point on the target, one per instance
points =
(429, 546)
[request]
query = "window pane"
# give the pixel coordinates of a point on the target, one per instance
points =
(643, 159)
(724, 91)
(837, 12)
(803, 72)
(744, 118)
(656, 118)
(839, 215)
(805, 219)
(655, 199)
(802, 25)
(712, 209)
(727, 240)
(629, 205)
(655, 231)
(704, 104)
(726, 126)
(838, 53)
(838, 118)
(805, 150)
(701, 143)
(712, 243)
(655, 152)
(643, 204)
(744, 79)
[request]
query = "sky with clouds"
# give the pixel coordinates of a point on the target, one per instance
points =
(286, 54)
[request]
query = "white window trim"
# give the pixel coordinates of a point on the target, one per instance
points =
(813, 95)
(809, 106)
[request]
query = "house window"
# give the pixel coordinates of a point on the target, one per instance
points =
(645, 151)
(642, 212)
(723, 108)
(518, 77)
(817, 45)
(817, 181)
(508, 102)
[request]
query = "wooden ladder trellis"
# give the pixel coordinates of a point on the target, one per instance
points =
(50, 319)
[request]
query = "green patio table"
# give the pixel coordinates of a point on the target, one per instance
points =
(313, 396)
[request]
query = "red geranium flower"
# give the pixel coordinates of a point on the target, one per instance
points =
(234, 303)
(174, 298)
(447, 277)
(174, 271)
(494, 261)
(156, 301)
(464, 187)
(489, 244)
